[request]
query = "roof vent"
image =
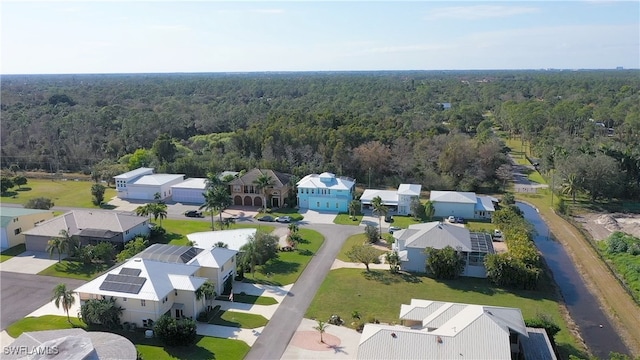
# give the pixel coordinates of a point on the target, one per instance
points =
(439, 340)
(393, 335)
(137, 260)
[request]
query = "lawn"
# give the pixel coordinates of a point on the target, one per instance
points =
(63, 193)
(12, 251)
(177, 230)
(250, 299)
(238, 319)
(289, 265)
(293, 213)
(205, 347)
(379, 294)
(357, 239)
(477, 225)
(345, 219)
(75, 270)
(626, 265)
(404, 221)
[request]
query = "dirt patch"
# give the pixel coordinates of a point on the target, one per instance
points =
(310, 340)
(600, 226)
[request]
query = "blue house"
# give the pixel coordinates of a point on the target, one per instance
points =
(325, 192)
(463, 204)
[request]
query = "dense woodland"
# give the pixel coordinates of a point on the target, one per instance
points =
(381, 128)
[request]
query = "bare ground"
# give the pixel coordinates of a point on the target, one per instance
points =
(601, 225)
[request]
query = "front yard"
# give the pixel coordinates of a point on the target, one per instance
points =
(177, 230)
(75, 270)
(12, 251)
(346, 219)
(357, 239)
(293, 213)
(238, 319)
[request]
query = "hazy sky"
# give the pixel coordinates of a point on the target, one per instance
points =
(214, 36)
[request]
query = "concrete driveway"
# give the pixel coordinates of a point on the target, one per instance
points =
(29, 262)
(316, 217)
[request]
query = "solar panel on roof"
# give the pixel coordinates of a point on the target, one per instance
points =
(123, 283)
(130, 271)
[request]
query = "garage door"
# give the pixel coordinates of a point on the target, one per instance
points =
(36, 243)
(187, 196)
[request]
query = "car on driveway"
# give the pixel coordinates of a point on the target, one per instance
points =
(497, 235)
(193, 213)
(451, 219)
(283, 219)
(267, 218)
(393, 228)
(459, 220)
(388, 218)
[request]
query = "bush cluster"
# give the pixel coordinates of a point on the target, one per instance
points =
(175, 332)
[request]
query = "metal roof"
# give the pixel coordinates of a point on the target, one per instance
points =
(169, 253)
(9, 213)
(233, 238)
(157, 179)
(326, 181)
(76, 220)
(388, 197)
(134, 173)
(409, 189)
(453, 197)
(192, 183)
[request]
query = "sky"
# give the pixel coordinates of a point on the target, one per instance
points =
(74, 37)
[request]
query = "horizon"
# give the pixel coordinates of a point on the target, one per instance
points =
(170, 37)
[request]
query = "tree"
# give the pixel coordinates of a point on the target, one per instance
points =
(354, 207)
(104, 251)
(508, 199)
(20, 180)
(444, 263)
(570, 186)
(140, 158)
(206, 292)
(505, 174)
(41, 203)
(429, 209)
(105, 312)
(159, 210)
(164, 148)
(379, 209)
(364, 254)
(131, 248)
(293, 228)
(262, 183)
(221, 244)
(393, 259)
(56, 245)
(322, 328)
(174, 332)
(64, 297)
(6, 184)
(97, 191)
(144, 210)
(373, 235)
(70, 244)
(259, 249)
(417, 209)
(216, 199)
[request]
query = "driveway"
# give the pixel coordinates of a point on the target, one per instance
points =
(521, 182)
(29, 262)
(316, 217)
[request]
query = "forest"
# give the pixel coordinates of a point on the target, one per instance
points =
(441, 129)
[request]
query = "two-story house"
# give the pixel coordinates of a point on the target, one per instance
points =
(396, 200)
(143, 184)
(245, 192)
(15, 221)
(325, 192)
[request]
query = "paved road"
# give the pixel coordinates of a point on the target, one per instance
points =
(276, 336)
(23, 294)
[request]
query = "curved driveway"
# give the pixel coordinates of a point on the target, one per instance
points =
(276, 335)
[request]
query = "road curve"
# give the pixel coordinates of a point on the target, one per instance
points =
(276, 335)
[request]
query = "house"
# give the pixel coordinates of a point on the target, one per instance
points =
(462, 204)
(17, 220)
(147, 289)
(143, 184)
(445, 330)
(90, 226)
(411, 244)
(190, 191)
(325, 192)
(245, 192)
(397, 200)
(234, 239)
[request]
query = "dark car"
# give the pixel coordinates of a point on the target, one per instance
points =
(460, 220)
(193, 213)
(267, 218)
(388, 218)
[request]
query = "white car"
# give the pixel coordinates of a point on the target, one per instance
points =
(451, 219)
(497, 235)
(283, 219)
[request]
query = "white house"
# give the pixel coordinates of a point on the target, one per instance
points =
(325, 192)
(190, 191)
(397, 200)
(15, 221)
(234, 239)
(444, 330)
(143, 184)
(411, 244)
(462, 204)
(90, 226)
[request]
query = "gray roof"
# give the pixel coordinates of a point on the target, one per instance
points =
(169, 253)
(77, 220)
(453, 197)
(537, 345)
(279, 179)
(439, 235)
(134, 173)
(98, 233)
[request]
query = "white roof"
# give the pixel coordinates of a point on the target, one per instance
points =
(183, 282)
(160, 279)
(409, 189)
(214, 258)
(233, 238)
(134, 173)
(326, 181)
(436, 235)
(157, 179)
(485, 203)
(192, 183)
(450, 330)
(453, 197)
(389, 197)
(76, 220)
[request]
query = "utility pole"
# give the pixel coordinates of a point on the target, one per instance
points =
(552, 187)
(369, 177)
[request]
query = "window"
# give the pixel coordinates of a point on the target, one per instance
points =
(17, 231)
(127, 232)
(143, 303)
(318, 204)
(15, 219)
(337, 206)
(175, 292)
(327, 204)
(222, 268)
(312, 190)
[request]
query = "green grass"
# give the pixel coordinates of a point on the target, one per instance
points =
(47, 322)
(626, 265)
(536, 177)
(75, 270)
(345, 219)
(477, 225)
(379, 294)
(353, 240)
(12, 251)
(205, 347)
(289, 265)
(255, 300)
(404, 221)
(177, 230)
(63, 193)
(293, 213)
(239, 319)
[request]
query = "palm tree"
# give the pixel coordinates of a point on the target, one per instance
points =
(144, 210)
(70, 244)
(379, 209)
(212, 181)
(293, 228)
(206, 292)
(322, 327)
(354, 207)
(429, 209)
(63, 297)
(159, 210)
(262, 183)
(216, 199)
(570, 186)
(56, 245)
(251, 255)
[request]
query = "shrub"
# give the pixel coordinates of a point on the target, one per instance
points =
(545, 322)
(372, 233)
(562, 207)
(444, 263)
(41, 203)
(175, 332)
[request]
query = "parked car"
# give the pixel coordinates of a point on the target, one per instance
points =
(460, 220)
(497, 235)
(193, 213)
(451, 219)
(394, 228)
(388, 218)
(267, 218)
(283, 219)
